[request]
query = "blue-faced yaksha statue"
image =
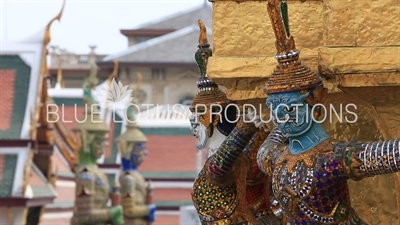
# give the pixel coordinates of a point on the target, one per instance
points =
(309, 169)
(136, 193)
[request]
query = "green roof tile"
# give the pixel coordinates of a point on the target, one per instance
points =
(21, 89)
(6, 183)
(166, 131)
(172, 203)
(69, 101)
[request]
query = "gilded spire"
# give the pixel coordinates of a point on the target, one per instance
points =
(285, 45)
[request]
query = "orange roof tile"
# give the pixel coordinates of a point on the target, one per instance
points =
(170, 154)
(166, 220)
(65, 193)
(7, 79)
(35, 180)
(172, 194)
(70, 114)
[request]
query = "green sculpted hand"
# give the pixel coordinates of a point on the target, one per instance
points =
(117, 217)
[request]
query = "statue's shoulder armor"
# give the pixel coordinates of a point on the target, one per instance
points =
(213, 201)
(126, 178)
(85, 181)
(129, 183)
(85, 174)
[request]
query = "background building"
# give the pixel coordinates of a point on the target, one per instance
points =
(162, 51)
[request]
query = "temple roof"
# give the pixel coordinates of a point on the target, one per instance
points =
(39, 185)
(181, 19)
(178, 46)
(19, 76)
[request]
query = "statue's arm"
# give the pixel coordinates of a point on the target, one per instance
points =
(268, 150)
(85, 193)
(265, 161)
(370, 158)
(222, 161)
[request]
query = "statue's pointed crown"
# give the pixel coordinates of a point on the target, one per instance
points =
(290, 74)
(92, 121)
(209, 92)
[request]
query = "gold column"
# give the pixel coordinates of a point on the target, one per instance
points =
(354, 45)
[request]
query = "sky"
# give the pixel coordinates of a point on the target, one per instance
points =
(85, 22)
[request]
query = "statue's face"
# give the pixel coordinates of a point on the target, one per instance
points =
(138, 154)
(291, 114)
(199, 131)
(98, 144)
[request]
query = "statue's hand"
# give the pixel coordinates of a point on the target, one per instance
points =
(117, 217)
(252, 116)
(152, 214)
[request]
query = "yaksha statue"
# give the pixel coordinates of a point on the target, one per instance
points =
(309, 169)
(92, 187)
(136, 193)
(230, 189)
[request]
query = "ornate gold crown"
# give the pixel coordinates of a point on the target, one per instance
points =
(290, 74)
(209, 92)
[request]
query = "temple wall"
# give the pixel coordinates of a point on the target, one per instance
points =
(354, 45)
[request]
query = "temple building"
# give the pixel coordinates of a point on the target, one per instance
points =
(27, 172)
(162, 51)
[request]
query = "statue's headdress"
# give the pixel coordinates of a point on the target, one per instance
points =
(290, 74)
(133, 135)
(92, 121)
(210, 97)
(209, 92)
